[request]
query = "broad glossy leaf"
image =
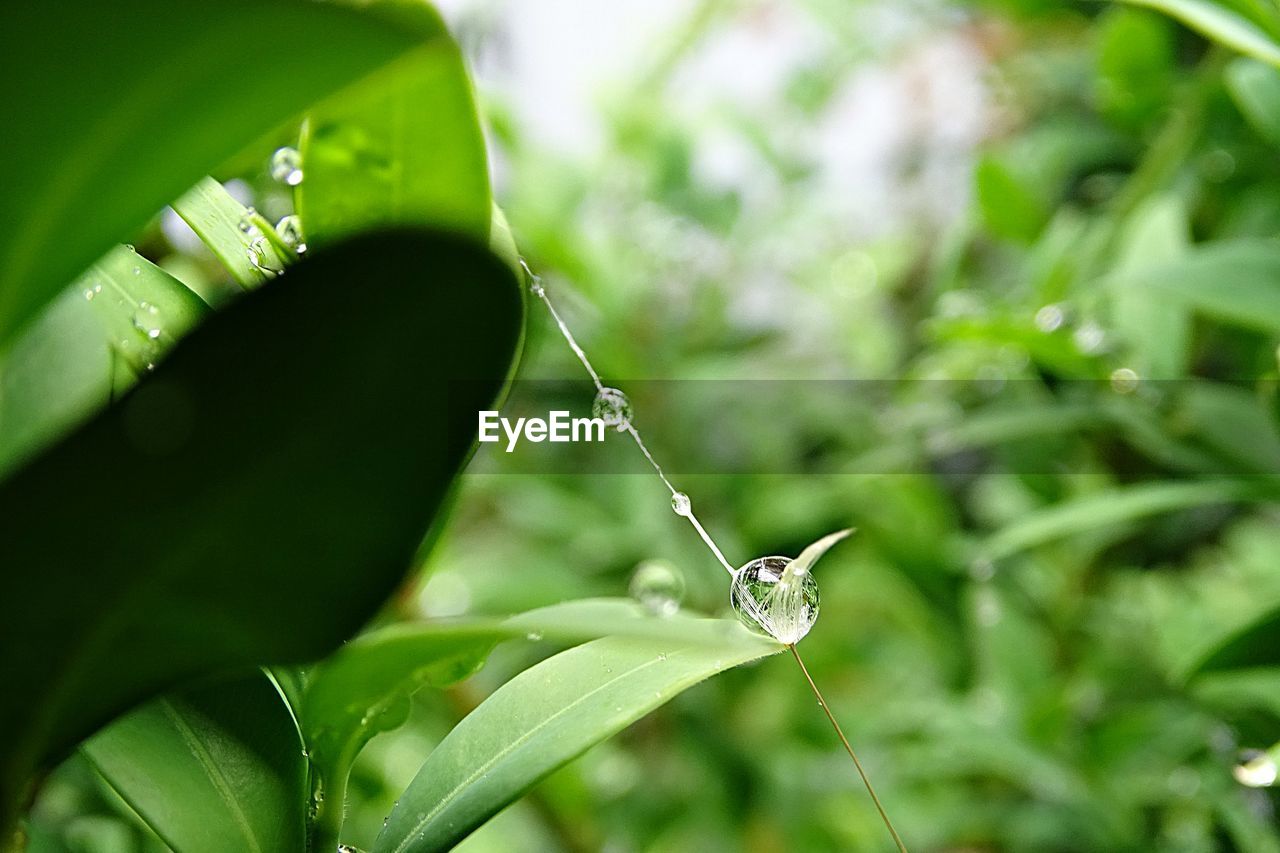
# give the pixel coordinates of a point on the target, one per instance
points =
(401, 147)
(1235, 282)
(545, 717)
(1115, 506)
(227, 228)
(258, 496)
(211, 768)
(1220, 24)
(364, 688)
(111, 110)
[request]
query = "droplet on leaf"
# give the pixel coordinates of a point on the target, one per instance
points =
(659, 586)
(612, 407)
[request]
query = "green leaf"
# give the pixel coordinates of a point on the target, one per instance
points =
(364, 688)
(257, 497)
(1220, 24)
(57, 373)
(543, 718)
(212, 768)
(1255, 87)
(1156, 329)
(226, 227)
(1107, 509)
(1255, 645)
(142, 309)
(105, 329)
(402, 147)
(1236, 281)
(115, 109)
(1010, 207)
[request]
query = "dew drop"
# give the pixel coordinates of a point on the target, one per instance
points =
(681, 504)
(659, 586)
(246, 223)
(289, 229)
(1256, 769)
(1050, 318)
(286, 166)
(88, 294)
(1124, 380)
(256, 252)
(612, 407)
(769, 598)
(137, 270)
(147, 320)
(533, 636)
(1090, 338)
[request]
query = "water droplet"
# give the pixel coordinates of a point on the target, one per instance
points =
(257, 255)
(533, 636)
(1256, 769)
(97, 288)
(88, 294)
(286, 166)
(612, 407)
(768, 597)
(659, 586)
(1050, 318)
(681, 504)
(147, 320)
(1124, 380)
(137, 270)
(289, 230)
(246, 224)
(534, 280)
(1090, 338)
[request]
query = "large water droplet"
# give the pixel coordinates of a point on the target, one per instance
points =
(286, 166)
(1256, 769)
(289, 229)
(681, 504)
(256, 251)
(769, 598)
(659, 586)
(612, 407)
(1124, 380)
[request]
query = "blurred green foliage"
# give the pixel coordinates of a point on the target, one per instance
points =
(1007, 640)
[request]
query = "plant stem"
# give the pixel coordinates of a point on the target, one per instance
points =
(844, 740)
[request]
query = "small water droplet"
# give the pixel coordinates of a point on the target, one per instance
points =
(681, 504)
(137, 270)
(1256, 769)
(246, 224)
(289, 229)
(613, 407)
(769, 598)
(1090, 338)
(147, 320)
(286, 166)
(1124, 380)
(1050, 318)
(659, 586)
(533, 636)
(88, 294)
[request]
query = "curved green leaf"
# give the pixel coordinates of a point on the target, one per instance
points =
(1255, 645)
(117, 319)
(401, 147)
(1220, 24)
(1113, 507)
(1235, 281)
(545, 717)
(258, 496)
(114, 109)
(213, 768)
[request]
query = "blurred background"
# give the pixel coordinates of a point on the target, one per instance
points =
(973, 208)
